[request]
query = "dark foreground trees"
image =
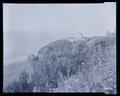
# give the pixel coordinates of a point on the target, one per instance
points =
(21, 85)
(13, 86)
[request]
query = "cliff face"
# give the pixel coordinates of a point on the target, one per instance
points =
(91, 60)
(98, 72)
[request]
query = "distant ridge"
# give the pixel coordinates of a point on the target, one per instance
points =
(14, 60)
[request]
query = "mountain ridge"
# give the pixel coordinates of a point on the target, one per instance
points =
(94, 57)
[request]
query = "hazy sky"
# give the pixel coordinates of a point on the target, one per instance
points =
(27, 27)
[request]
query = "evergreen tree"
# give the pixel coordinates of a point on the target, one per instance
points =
(24, 81)
(13, 86)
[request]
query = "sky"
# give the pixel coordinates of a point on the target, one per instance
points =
(28, 27)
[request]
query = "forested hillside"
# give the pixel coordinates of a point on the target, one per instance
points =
(82, 65)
